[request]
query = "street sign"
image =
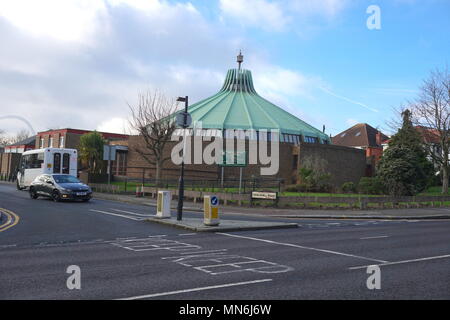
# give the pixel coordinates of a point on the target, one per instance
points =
(234, 159)
(214, 200)
(109, 152)
(181, 117)
(264, 195)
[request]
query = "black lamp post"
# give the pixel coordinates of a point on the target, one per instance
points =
(181, 181)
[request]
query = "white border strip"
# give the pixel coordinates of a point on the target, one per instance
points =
(404, 261)
(152, 295)
(302, 247)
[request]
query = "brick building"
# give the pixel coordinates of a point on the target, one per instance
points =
(365, 137)
(10, 156)
(238, 106)
(69, 138)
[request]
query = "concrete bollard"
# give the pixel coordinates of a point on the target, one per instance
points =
(211, 210)
(163, 204)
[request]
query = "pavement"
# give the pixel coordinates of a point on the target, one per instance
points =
(410, 213)
(196, 224)
(120, 255)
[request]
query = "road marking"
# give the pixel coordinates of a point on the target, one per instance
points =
(152, 295)
(404, 261)
(133, 213)
(186, 234)
(376, 237)
(12, 220)
(196, 252)
(8, 246)
(302, 247)
(117, 215)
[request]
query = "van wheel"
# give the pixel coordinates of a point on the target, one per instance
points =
(56, 196)
(33, 194)
(18, 186)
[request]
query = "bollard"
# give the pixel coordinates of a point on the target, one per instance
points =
(211, 210)
(138, 193)
(163, 204)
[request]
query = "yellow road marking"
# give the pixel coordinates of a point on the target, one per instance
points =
(12, 220)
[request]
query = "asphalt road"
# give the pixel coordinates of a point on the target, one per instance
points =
(121, 256)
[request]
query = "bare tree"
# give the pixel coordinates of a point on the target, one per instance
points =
(431, 110)
(3, 139)
(21, 135)
(151, 119)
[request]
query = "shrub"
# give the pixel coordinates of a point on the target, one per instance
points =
(348, 187)
(369, 185)
(291, 188)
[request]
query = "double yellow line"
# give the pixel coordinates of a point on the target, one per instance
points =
(11, 219)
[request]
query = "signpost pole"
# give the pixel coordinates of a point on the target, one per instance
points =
(240, 179)
(181, 181)
(109, 165)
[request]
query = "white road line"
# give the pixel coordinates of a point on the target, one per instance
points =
(404, 261)
(144, 239)
(302, 247)
(376, 237)
(115, 214)
(133, 213)
(152, 295)
(198, 253)
(187, 234)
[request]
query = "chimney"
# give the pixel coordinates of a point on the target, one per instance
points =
(378, 138)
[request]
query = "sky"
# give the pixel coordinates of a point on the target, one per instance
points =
(79, 63)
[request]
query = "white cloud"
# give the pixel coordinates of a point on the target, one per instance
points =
(325, 8)
(300, 15)
(70, 20)
(259, 13)
(83, 76)
(115, 125)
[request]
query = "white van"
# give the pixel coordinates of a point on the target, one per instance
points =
(45, 161)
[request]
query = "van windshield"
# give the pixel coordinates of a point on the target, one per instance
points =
(65, 179)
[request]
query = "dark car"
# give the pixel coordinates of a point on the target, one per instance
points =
(60, 187)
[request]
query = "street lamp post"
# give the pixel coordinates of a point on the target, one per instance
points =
(181, 181)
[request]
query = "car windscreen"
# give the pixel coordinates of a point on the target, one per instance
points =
(65, 179)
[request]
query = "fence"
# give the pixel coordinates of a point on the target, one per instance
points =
(382, 202)
(8, 177)
(128, 184)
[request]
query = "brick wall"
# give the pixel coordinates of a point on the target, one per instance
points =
(345, 164)
(9, 163)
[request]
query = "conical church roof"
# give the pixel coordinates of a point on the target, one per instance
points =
(238, 106)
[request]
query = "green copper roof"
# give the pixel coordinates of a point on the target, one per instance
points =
(238, 106)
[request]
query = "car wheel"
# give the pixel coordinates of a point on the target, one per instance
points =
(33, 194)
(56, 196)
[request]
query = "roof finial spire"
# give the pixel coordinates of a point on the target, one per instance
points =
(240, 59)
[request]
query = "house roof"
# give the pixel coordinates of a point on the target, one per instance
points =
(24, 142)
(429, 135)
(82, 131)
(238, 106)
(360, 135)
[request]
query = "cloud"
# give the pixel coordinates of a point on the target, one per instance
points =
(82, 73)
(258, 13)
(114, 125)
(282, 15)
(68, 20)
(58, 79)
(323, 8)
